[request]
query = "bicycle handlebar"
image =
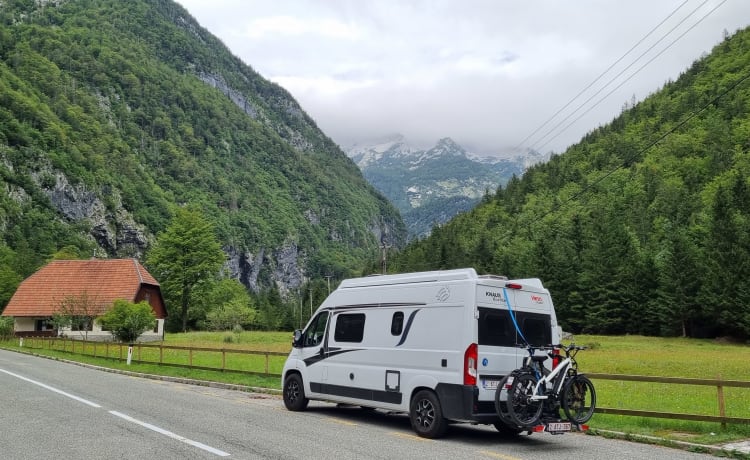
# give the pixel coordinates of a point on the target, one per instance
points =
(559, 346)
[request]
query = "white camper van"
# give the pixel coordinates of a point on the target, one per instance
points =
(430, 344)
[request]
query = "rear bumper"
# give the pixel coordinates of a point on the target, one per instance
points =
(460, 403)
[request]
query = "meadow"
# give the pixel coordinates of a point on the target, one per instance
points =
(631, 355)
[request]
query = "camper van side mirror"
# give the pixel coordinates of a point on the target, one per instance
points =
(297, 341)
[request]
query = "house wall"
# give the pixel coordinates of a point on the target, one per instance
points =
(98, 334)
(152, 295)
(23, 324)
(26, 326)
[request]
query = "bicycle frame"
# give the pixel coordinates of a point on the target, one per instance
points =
(557, 384)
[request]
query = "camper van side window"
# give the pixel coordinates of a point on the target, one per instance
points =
(397, 323)
(350, 327)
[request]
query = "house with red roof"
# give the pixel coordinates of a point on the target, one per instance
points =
(97, 282)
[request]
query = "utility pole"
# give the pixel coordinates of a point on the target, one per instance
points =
(311, 292)
(384, 257)
(299, 293)
(328, 278)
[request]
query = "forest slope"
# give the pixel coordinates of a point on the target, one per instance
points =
(641, 227)
(113, 112)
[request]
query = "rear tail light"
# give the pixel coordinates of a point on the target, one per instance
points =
(470, 365)
(556, 358)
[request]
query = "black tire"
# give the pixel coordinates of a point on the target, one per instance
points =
(578, 399)
(426, 415)
(501, 400)
(523, 411)
(294, 393)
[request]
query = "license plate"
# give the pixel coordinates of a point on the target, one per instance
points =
(558, 427)
(490, 384)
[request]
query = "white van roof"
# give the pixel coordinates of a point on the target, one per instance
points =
(407, 278)
(432, 276)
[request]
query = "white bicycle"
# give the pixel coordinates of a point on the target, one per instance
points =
(532, 392)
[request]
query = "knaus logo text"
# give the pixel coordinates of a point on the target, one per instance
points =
(537, 298)
(496, 296)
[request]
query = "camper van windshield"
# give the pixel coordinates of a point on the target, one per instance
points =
(314, 333)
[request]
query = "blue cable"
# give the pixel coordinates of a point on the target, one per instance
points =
(518, 329)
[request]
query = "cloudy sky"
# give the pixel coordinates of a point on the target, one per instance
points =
(494, 75)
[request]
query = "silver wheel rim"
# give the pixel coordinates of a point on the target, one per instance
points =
(425, 413)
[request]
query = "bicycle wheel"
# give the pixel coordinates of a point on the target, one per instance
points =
(523, 410)
(578, 399)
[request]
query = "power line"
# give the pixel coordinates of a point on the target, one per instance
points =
(601, 75)
(648, 147)
(624, 81)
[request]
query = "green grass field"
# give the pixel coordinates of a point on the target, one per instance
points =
(633, 355)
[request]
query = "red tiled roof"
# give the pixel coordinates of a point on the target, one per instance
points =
(102, 281)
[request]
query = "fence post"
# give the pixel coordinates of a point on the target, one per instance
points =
(223, 359)
(266, 363)
(722, 408)
(161, 353)
(190, 357)
(94, 349)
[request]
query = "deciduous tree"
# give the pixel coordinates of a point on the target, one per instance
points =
(185, 254)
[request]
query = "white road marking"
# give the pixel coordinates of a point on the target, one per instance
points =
(167, 433)
(47, 387)
(197, 444)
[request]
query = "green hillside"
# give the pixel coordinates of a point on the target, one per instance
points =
(114, 112)
(643, 226)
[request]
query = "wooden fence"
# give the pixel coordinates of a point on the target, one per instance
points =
(262, 363)
(720, 384)
(265, 362)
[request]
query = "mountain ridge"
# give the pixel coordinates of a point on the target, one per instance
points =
(115, 112)
(431, 185)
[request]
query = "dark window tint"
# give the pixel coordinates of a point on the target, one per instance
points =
(397, 323)
(536, 329)
(350, 327)
(496, 328)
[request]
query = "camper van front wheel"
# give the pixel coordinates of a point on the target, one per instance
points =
(294, 393)
(426, 415)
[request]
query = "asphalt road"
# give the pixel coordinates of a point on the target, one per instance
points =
(50, 409)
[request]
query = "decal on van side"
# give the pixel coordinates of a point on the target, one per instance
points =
(408, 327)
(321, 356)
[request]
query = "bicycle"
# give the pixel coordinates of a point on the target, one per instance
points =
(524, 394)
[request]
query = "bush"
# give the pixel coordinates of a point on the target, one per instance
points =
(128, 320)
(6, 327)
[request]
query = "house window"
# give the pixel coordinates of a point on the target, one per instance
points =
(44, 324)
(156, 326)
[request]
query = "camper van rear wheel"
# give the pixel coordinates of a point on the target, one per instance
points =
(426, 415)
(294, 393)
